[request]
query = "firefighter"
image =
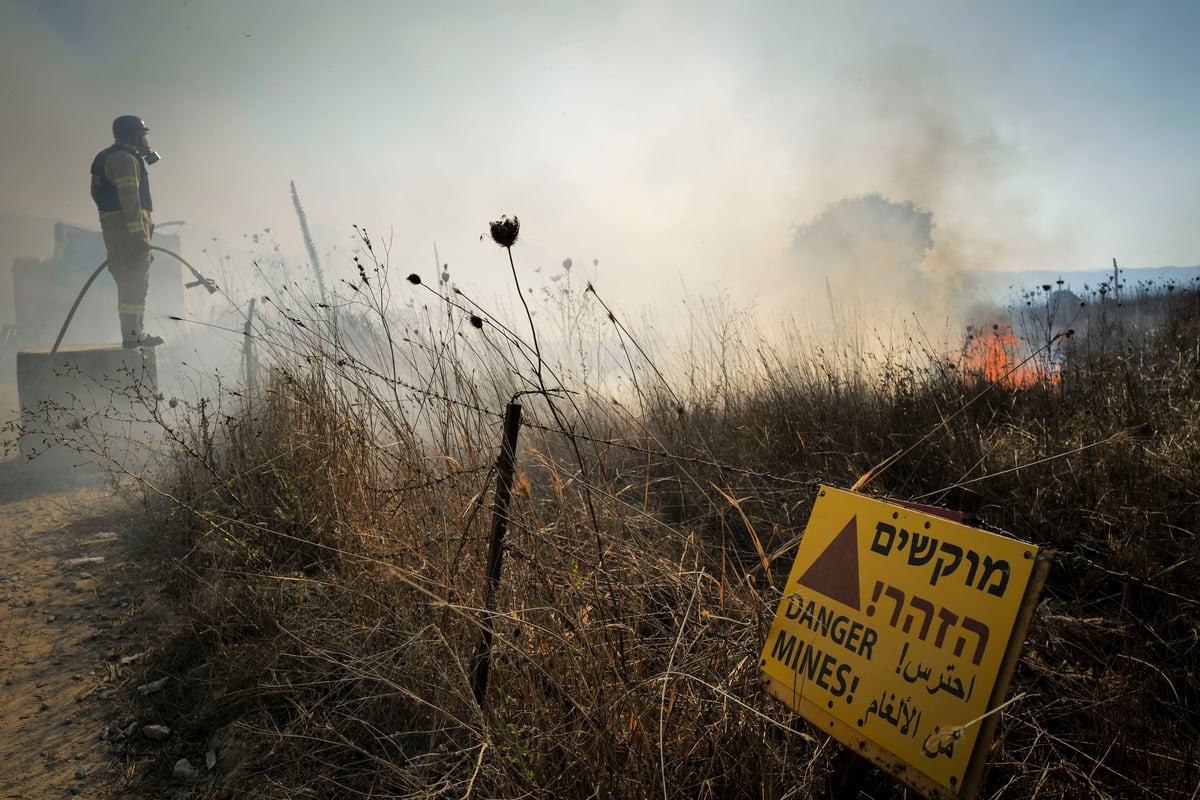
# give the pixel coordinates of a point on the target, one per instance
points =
(121, 190)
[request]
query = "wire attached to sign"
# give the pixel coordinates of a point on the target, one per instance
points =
(945, 740)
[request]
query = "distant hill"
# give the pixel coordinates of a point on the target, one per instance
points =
(1004, 287)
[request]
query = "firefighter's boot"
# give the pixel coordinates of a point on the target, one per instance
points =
(133, 335)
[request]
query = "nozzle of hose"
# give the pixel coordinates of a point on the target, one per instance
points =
(207, 283)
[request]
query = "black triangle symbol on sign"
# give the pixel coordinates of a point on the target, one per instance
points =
(835, 572)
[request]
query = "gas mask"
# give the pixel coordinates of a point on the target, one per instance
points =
(148, 153)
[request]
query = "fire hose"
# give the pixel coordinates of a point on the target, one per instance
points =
(200, 280)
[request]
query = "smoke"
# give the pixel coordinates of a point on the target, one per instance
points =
(680, 146)
(945, 153)
(868, 241)
(917, 191)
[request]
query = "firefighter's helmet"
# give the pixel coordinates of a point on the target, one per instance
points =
(128, 127)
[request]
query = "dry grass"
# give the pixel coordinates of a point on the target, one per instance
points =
(325, 540)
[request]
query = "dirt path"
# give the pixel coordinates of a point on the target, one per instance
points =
(69, 595)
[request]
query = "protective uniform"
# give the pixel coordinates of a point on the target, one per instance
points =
(121, 189)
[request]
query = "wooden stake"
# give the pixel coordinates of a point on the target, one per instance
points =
(504, 481)
(248, 349)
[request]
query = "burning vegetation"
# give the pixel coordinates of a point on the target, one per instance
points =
(996, 355)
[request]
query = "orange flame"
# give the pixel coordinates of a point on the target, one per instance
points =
(995, 355)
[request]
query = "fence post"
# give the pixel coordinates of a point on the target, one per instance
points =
(504, 481)
(248, 349)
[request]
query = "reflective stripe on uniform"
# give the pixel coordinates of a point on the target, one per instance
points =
(125, 180)
(130, 308)
(135, 226)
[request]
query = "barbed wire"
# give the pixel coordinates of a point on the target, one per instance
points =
(808, 483)
(429, 484)
(1125, 576)
(598, 440)
(698, 460)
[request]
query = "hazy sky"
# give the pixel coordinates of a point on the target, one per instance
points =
(679, 143)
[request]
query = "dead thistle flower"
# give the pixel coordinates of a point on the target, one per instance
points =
(505, 231)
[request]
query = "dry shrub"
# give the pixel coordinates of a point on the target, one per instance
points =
(327, 544)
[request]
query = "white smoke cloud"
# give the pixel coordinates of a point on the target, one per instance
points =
(678, 144)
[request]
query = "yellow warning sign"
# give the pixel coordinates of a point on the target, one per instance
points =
(894, 632)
